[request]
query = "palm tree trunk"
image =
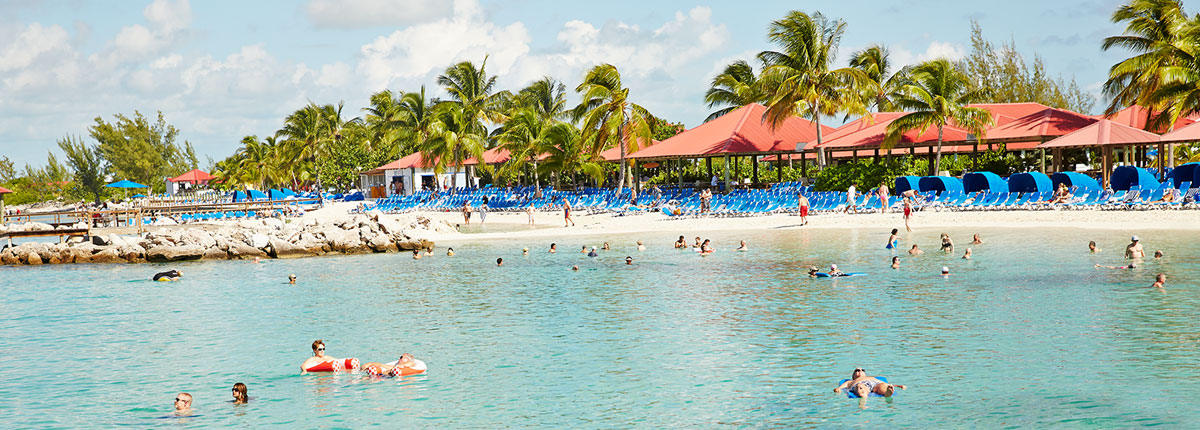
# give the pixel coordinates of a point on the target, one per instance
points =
(820, 150)
(621, 144)
(537, 183)
(937, 161)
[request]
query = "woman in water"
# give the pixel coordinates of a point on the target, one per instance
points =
(977, 240)
(895, 262)
(742, 247)
(553, 248)
(318, 347)
(240, 395)
(947, 244)
(1092, 247)
(862, 385)
(405, 361)
(967, 255)
(170, 275)
(893, 240)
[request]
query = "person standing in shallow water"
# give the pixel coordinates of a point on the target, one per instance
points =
(1134, 250)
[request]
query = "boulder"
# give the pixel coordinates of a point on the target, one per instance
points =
(132, 253)
(391, 226)
(216, 253)
(283, 249)
(411, 244)
(244, 251)
(32, 258)
(100, 240)
(174, 253)
(381, 243)
(195, 236)
(116, 240)
(272, 223)
(108, 255)
(9, 257)
(259, 240)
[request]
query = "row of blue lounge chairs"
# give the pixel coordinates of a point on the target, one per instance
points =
(216, 216)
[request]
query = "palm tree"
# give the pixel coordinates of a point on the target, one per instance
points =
(452, 140)
(874, 62)
(473, 89)
(1153, 29)
(799, 80)
(383, 120)
(735, 87)
(938, 94)
(304, 135)
(546, 96)
(565, 153)
(415, 120)
(524, 137)
(607, 118)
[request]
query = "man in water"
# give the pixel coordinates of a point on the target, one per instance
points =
(575, 268)
(1160, 281)
(1092, 247)
(812, 271)
(742, 247)
(499, 262)
(641, 246)
(318, 348)
(862, 385)
(1134, 250)
(292, 278)
(967, 255)
(629, 260)
(170, 275)
(681, 243)
(183, 403)
(915, 250)
(1130, 266)
(977, 240)
(583, 250)
(1158, 255)
(593, 253)
(553, 248)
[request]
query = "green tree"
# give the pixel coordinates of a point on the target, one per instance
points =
(799, 79)
(736, 86)
(142, 151)
(1003, 73)
(566, 155)
(608, 118)
(453, 139)
(547, 97)
(7, 171)
(90, 168)
(524, 137)
(874, 61)
(939, 94)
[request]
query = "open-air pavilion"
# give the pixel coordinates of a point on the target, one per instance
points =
(1103, 135)
(740, 133)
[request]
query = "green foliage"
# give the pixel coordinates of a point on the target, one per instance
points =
(661, 129)
(1006, 78)
(347, 158)
(90, 168)
(141, 151)
(7, 171)
(868, 173)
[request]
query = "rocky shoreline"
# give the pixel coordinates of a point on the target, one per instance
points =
(246, 239)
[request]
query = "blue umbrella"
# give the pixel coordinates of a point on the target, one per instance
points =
(125, 183)
(138, 196)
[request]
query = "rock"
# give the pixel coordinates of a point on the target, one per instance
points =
(259, 240)
(100, 241)
(31, 257)
(381, 243)
(132, 253)
(391, 226)
(174, 253)
(272, 223)
(116, 241)
(9, 257)
(283, 249)
(243, 251)
(216, 253)
(108, 255)
(412, 244)
(195, 236)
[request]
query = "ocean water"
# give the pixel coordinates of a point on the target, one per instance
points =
(1026, 334)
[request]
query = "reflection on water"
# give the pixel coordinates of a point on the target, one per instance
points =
(1026, 334)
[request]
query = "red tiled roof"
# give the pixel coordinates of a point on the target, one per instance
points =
(741, 131)
(5, 190)
(195, 176)
(1102, 132)
(1135, 116)
(1189, 133)
(1049, 122)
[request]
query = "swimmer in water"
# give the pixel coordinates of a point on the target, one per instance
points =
(575, 268)
(812, 271)
(915, 250)
(449, 252)
(553, 248)
(629, 261)
(1158, 255)
(416, 254)
(1130, 266)
(525, 251)
(318, 347)
(1092, 247)
(641, 246)
(705, 248)
(945, 271)
(593, 253)
(977, 240)
(967, 255)
(833, 271)
(605, 247)
(499, 262)
(681, 243)
(1134, 250)
(183, 404)
(862, 385)
(168, 276)
(1160, 281)
(893, 240)
(895, 262)
(947, 244)
(292, 278)
(742, 247)
(241, 394)
(406, 360)
(584, 250)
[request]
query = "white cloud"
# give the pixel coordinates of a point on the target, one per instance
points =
(951, 51)
(375, 13)
(167, 22)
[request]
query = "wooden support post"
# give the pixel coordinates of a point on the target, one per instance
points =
(754, 164)
(708, 162)
(1105, 161)
(1162, 164)
(779, 167)
(726, 174)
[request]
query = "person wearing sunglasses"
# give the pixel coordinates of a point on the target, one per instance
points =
(318, 347)
(241, 394)
(183, 403)
(862, 385)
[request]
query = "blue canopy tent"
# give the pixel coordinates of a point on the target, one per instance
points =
(1126, 177)
(905, 183)
(1030, 182)
(239, 196)
(275, 194)
(940, 184)
(1075, 179)
(257, 195)
(287, 192)
(980, 181)
(1184, 173)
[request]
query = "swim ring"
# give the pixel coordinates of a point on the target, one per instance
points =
(343, 365)
(850, 393)
(417, 368)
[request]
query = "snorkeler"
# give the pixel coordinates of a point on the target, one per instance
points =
(168, 276)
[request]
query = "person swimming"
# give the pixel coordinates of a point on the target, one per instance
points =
(833, 271)
(967, 255)
(743, 247)
(1130, 266)
(593, 253)
(168, 276)
(947, 244)
(862, 385)
(641, 246)
(681, 243)
(449, 252)
(1092, 247)
(976, 240)
(895, 262)
(893, 240)
(915, 250)
(945, 271)
(553, 248)
(812, 271)
(629, 260)
(292, 278)
(499, 262)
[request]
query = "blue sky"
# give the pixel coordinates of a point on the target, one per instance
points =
(220, 70)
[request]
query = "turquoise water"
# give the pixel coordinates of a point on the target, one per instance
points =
(1027, 334)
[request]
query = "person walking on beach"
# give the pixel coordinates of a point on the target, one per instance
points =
(1134, 250)
(567, 221)
(802, 201)
(884, 197)
(466, 210)
(483, 208)
(529, 213)
(851, 200)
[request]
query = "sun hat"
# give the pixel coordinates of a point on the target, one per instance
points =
(1134, 238)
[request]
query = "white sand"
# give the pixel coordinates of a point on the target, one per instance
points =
(549, 224)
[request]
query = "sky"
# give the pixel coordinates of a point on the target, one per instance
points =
(220, 70)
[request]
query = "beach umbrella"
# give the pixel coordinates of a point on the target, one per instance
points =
(125, 183)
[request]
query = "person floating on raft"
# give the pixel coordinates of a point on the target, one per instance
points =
(168, 276)
(320, 362)
(406, 365)
(860, 385)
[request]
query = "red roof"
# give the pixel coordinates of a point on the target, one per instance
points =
(872, 136)
(5, 190)
(495, 155)
(1049, 122)
(1189, 133)
(414, 160)
(614, 154)
(195, 176)
(1102, 132)
(741, 131)
(1010, 110)
(1135, 116)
